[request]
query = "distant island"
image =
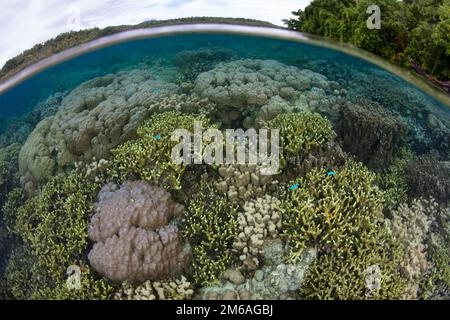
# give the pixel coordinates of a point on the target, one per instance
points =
(74, 38)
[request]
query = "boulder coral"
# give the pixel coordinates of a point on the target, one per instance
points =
(91, 120)
(133, 238)
(238, 84)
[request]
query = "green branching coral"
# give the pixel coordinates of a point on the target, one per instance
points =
(340, 215)
(301, 133)
(211, 225)
(150, 157)
(53, 229)
(331, 210)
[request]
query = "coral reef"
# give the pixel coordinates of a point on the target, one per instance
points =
(150, 159)
(259, 220)
(211, 227)
(426, 176)
(371, 133)
(303, 136)
(242, 182)
(133, 238)
(95, 117)
(238, 84)
(277, 281)
(409, 226)
(172, 289)
(193, 62)
(340, 215)
(53, 229)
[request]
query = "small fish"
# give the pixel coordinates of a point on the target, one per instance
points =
(295, 186)
(157, 137)
(331, 173)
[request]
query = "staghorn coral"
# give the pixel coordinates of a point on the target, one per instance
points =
(53, 229)
(371, 133)
(301, 134)
(91, 120)
(150, 159)
(326, 210)
(133, 238)
(211, 226)
(172, 289)
(259, 220)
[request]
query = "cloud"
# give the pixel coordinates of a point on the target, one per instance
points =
(26, 23)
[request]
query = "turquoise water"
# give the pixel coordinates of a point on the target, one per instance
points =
(83, 137)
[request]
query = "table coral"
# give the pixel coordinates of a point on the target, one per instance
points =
(133, 238)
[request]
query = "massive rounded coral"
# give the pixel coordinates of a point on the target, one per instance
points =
(134, 241)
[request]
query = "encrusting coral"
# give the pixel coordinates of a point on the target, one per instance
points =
(133, 238)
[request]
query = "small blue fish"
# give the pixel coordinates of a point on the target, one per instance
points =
(157, 137)
(156, 90)
(331, 173)
(295, 186)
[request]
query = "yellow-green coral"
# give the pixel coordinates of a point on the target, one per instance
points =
(331, 210)
(301, 133)
(150, 157)
(211, 226)
(53, 229)
(393, 182)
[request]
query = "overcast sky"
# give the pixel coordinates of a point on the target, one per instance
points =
(24, 23)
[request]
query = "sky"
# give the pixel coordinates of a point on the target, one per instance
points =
(24, 23)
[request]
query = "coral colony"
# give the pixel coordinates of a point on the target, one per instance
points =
(213, 175)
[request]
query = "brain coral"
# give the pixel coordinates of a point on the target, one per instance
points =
(134, 241)
(95, 117)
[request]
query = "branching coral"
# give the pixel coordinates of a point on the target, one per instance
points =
(134, 241)
(211, 227)
(301, 134)
(150, 157)
(340, 215)
(53, 228)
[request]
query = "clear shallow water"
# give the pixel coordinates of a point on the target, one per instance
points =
(63, 122)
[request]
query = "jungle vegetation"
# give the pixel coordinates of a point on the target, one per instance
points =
(412, 31)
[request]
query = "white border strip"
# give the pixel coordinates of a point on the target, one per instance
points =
(268, 32)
